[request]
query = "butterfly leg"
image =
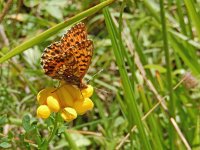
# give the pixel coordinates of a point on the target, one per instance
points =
(58, 86)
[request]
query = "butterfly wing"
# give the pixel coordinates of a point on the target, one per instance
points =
(75, 41)
(75, 35)
(57, 63)
(83, 52)
(70, 58)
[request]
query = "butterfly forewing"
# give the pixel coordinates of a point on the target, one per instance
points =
(83, 53)
(75, 35)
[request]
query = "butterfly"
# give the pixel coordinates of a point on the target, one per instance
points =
(69, 58)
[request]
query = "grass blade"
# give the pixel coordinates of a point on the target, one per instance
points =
(46, 34)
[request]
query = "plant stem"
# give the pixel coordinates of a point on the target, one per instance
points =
(169, 75)
(54, 129)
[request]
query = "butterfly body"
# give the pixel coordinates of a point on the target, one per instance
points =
(69, 58)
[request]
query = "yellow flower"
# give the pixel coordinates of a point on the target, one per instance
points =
(43, 94)
(68, 114)
(88, 91)
(43, 111)
(82, 106)
(65, 96)
(66, 99)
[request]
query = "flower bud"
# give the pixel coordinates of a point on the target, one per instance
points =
(87, 92)
(43, 111)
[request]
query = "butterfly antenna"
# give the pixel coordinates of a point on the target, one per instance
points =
(103, 91)
(94, 75)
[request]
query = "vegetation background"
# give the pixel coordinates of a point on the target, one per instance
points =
(146, 96)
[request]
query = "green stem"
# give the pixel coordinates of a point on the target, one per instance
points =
(54, 129)
(169, 75)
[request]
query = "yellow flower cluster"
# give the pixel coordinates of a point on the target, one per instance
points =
(67, 99)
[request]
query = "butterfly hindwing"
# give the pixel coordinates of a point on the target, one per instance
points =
(83, 54)
(57, 63)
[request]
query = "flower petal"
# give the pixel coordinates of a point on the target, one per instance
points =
(87, 92)
(69, 114)
(82, 106)
(65, 97)
(53, 104)
(43, 94)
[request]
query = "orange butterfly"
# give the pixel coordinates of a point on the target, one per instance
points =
(69, 58)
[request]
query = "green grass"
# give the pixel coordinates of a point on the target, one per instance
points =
(142, 98)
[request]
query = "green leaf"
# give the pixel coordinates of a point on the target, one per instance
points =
(193, 14)
(10, 135)
(31, 3)
(43, 145)
(62, 129)
(80, 140)
(2, 120)
(54, 11)
(26, 123)
(155, 67)
(5, 145)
